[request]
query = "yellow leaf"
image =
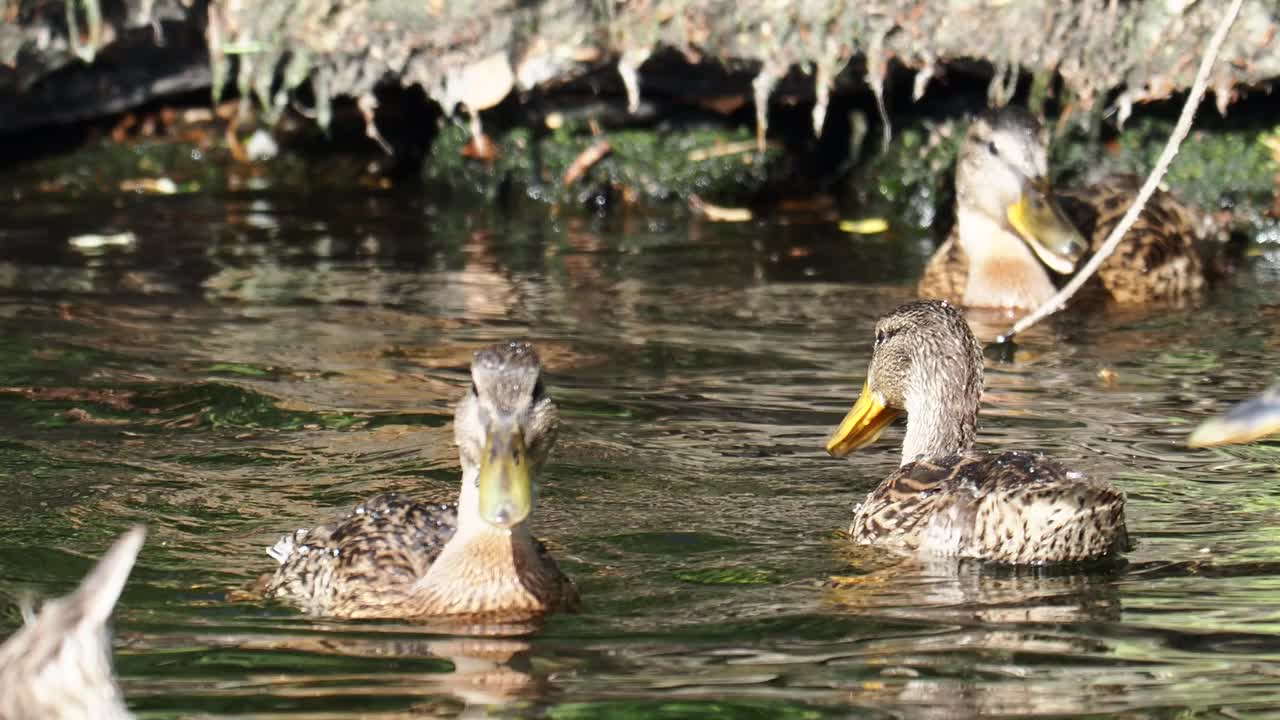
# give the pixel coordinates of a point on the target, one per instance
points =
(867, 226)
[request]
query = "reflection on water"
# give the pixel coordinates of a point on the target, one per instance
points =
(251, 366)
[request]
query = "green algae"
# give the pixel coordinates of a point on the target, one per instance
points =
(1215, 167)
(911, 179)
(241, 370)
(727, 576)
(1220, 166)
(655, 165)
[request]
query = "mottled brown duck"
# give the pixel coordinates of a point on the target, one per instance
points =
(1244, 422)
(474, 559)
(1016, 237)
(946, 499)
(58, 666)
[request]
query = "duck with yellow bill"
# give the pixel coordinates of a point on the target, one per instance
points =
(1244, 422)
(947, 499)
(1017, 236)
(475, 559)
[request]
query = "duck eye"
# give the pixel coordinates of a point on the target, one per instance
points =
(879, 337)
(991, 148)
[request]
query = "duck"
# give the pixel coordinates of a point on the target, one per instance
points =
(1243, 422)
(58, 665)
(947, 499)
(474, 559)
(1017, 237)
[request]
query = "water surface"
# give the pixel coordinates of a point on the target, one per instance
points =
(259, 362)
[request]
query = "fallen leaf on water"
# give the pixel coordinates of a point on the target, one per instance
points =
(866, 226)
(718, 213)
(154, 186)
(93, 242)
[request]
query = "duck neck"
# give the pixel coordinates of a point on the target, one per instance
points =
(473, 530)
(469, 520)
(482, 569)
(941, 424)
(1003, 272)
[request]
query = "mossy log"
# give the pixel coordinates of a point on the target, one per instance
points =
(64, 61)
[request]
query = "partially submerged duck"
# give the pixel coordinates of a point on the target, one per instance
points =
(946, 499)
(474, 559)
(58, 666)
(1244, 422)
(1016, 236)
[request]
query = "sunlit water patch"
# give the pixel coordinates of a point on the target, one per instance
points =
(251, 366)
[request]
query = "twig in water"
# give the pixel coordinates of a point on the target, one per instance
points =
(584, 161)
(1180, 131)
(720, 150)
(718, 213)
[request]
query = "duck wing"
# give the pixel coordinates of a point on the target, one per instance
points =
(1159, 259)
(1017, 508)
(947, 272)
(369, 557)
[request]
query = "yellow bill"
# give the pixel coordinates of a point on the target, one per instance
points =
(863, 425)
(1250, 420)
(1042, 224)
(506, 484)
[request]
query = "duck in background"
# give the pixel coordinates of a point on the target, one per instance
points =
(946, 499)
(1016, 236)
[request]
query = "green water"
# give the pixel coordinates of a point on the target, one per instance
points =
(258, 362)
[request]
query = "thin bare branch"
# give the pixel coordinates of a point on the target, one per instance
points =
(1058, 301)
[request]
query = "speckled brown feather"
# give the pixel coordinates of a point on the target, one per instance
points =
(946, 273)
(1009, 507)
(371, 555)
(366, 565)
(1159, 260)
